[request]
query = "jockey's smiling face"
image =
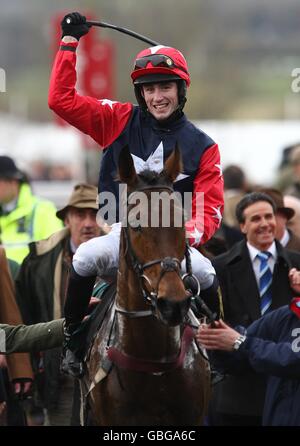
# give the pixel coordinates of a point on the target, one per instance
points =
(161, 99)
(82, 224)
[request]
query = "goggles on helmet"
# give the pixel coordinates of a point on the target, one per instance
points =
(157, 60)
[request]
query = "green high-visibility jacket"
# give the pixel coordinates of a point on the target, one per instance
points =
(33, 219)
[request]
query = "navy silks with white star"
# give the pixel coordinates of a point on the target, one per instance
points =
(151, 145)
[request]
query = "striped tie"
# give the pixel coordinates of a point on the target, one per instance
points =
(265, 282)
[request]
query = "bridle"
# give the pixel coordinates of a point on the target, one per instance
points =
(167, 264)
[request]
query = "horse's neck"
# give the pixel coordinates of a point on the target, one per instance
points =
(140, 335)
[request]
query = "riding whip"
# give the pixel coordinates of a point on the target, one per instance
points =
(118, 28)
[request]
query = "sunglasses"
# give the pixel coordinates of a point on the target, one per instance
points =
(157, 60)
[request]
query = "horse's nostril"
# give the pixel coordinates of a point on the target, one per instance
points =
(173, 312)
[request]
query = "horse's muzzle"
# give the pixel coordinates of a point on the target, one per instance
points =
(172, 312)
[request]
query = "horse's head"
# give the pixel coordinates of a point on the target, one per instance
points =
(154, 235)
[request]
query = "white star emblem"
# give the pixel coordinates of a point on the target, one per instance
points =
(218, 213)
(154, 162)
(196, 235)
(180, 177)
(156, 48)
(107, 102)
(218, 166)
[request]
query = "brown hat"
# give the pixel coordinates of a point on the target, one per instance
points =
(84, 196)
(277, 197)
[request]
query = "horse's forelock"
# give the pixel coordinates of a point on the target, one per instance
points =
(152, 178)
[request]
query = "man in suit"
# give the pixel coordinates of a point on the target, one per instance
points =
(283, 215)
(251, 288)
(294, 223)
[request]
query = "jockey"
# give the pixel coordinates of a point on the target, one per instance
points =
(151, 130)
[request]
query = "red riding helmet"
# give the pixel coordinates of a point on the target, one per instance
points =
(157, 64)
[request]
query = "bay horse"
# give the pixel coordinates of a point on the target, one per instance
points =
(158, 374)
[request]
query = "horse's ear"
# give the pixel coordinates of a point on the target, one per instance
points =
(127, 173)
(173, 165)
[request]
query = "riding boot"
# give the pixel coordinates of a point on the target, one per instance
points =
(79, 293)
(70, 363)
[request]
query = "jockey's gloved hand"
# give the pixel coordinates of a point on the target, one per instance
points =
(74, 24)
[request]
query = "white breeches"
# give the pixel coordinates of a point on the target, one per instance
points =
(100, 256)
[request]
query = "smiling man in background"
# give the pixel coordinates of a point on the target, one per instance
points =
(256, 276)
